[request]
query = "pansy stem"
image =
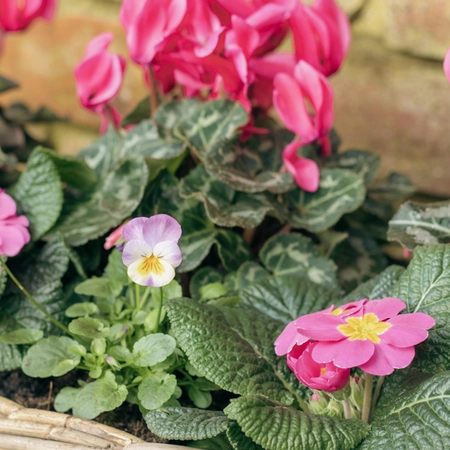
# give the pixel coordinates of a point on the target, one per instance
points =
(32, 300)
(365, 414)
(138, 297)
(376, 394)
(158, 315)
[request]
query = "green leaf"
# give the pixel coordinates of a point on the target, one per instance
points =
(239, 440)
(156, 389)
(241, 340)
(6, 84)
(421, 224)
(219, 442)
(72, 170)
(99, 287)
(81, 309)
(245, 168)
(170, 114)
(201, 399)
(65, 399)
(202, 277)
(285, 298)
(211, 122)
(415, 418)
(425, 287)
(233, 250)
(279, 427)
(139, 113)
(358, 258)
(51, 357)
(365, 164)
(88, 327)
(38, 193)
(153, 349)
(248, 273)
(194, 248)
(113, 199)
(22, 336)
(186, 424)
(225, 206)
(116, 269)
(394, 188)
(378, 287)
(340, 192)
(10, 357)
(292, 253)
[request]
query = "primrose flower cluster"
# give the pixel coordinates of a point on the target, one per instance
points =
(322, 347)
(217, 48)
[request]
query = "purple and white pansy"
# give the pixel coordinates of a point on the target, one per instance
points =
(151, 250)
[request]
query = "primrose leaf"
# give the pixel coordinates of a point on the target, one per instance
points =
(88, 327)
(38, 193)
(415, 418)
(421, 224)
(153, 349)
(242, 341)
(285, 298)
(51, 357)
(186, 423)
(156, 389)
(340, 192)
(99, 287)
(210, 122)
(22, 336)
(239, 440)
(292, 253)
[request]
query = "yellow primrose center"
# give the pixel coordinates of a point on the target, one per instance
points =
(151, 264)
(363, 328)
(336, 312)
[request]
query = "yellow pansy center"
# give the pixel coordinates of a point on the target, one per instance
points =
(151, 264)
(363, 328)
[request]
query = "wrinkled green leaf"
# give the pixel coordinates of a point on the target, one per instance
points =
(421, 224)
(340, 191)
(292, 253)
(239, 440)
(280, 427)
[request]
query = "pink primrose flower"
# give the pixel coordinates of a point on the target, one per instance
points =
(374, 337)
(16, 15)
(114, 238)
(148, 24)
(151, 250)
(13, 229)
(98, 77)
(321, 376)
(321, 35)
(447, 65)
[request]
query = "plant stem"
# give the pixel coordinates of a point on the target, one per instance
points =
(32, 300)
(376, 394)
(158, 316)
(248, 235)
(145, 296)
(152, 91)
(138, 297)
(365, 414)
(347, 408)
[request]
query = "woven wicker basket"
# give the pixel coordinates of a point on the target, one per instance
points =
(34, 429)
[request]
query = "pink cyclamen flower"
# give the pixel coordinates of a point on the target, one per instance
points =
(151, 250)
(374, 337)
(115, 239)
(321, 35)
(16, 15)
(13, 229)
(99, 76)
(148, 23)
(447, 65)
(321, 376)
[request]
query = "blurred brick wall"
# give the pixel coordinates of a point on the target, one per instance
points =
(391, 95)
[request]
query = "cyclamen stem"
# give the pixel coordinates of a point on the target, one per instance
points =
(158, 315)
(32, 300)
(365, 413)
(152, 91)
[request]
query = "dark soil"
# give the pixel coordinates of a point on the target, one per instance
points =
(40, 393)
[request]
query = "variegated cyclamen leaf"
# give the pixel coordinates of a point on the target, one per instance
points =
(293, 253)
(415, 418)
(340, 191)
(243, 343)
(212, 121)
(202, 277)
(395, 188)
(248, 273)
(186, 423)
(225, 206)
(421, 224)
(113, 199)
(243, 168)
(279, 427)
(233, 250)
(195, 248)
(170, 114)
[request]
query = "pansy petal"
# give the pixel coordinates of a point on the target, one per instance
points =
(162, 278)
(386, 358)
(386, 308)
(288, 338)
(320, 326)
(344, 354)
(133, 229)
(161, 228)
(135, 250)
(168, 251)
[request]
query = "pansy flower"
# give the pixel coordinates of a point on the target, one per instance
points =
(151, 251)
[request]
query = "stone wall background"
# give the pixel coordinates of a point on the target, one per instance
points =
(391, 95)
